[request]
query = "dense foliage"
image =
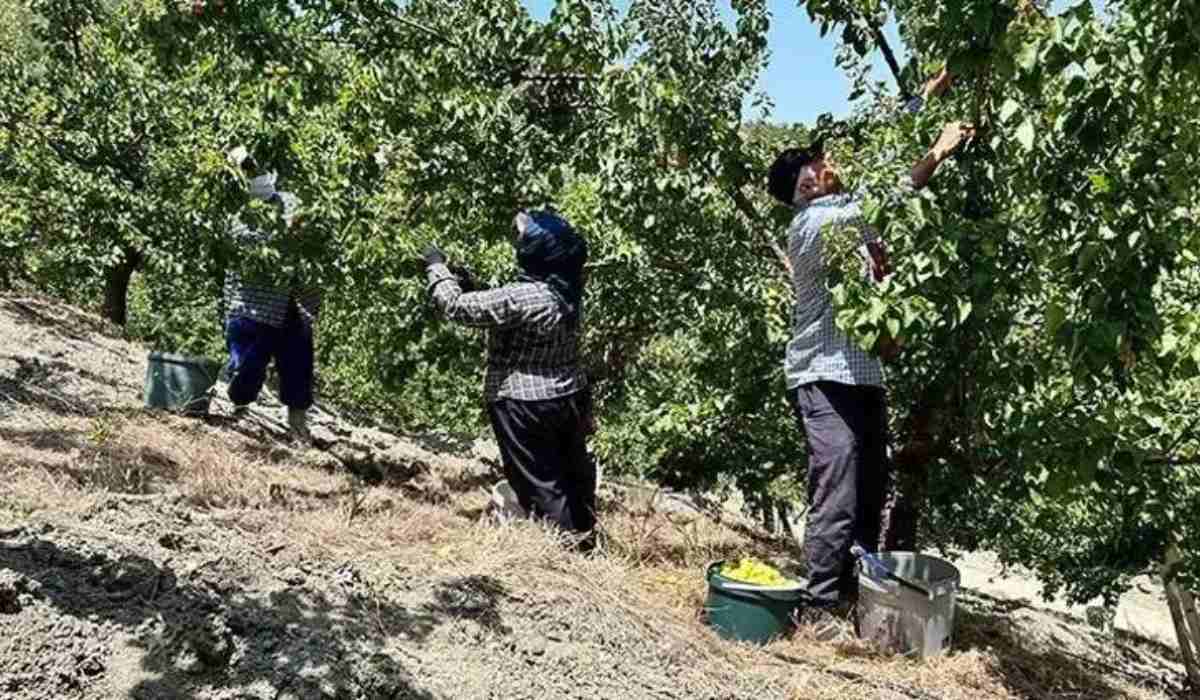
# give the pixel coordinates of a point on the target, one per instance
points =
(1045, 286)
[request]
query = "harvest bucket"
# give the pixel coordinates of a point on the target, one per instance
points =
(913, 616)
(749, 613)
(179, 383)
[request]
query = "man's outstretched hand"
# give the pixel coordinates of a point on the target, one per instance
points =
(938, 84)
(953, 136)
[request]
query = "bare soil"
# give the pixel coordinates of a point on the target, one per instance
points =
(145, 555)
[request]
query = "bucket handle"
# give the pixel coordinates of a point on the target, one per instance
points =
(875, 567)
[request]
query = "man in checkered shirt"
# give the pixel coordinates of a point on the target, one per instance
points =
(267, 319)
(836, 388)
(536, 391)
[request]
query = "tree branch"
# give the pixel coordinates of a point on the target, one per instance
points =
(889, 56)
(744, 205)
(1169, 461)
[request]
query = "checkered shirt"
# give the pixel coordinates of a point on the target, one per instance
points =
(262, 300)
(819, 351)
(532, 348)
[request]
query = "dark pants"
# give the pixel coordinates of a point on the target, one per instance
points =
(847, 480)
(252, 347)
(544, 451)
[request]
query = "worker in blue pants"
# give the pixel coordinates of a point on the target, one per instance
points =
(269, 320)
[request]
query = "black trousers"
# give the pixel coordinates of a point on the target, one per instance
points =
(848, 471)
(543, 447)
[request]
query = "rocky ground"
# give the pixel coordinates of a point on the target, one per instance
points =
(145, 555)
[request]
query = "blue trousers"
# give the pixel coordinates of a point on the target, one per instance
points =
(252, 346)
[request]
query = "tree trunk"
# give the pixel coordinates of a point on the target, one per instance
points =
(1183, 613)
(116, 286)
(909, 481)
(902, 510)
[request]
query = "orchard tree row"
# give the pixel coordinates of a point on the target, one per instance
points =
(1046, 287)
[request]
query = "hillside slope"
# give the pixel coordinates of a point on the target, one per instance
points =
(144, 555)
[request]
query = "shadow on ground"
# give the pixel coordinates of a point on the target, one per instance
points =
(1048, 668)
(76, 325)
(200, 628)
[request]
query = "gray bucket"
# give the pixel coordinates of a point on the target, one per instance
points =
(179, 383)
(902, 620)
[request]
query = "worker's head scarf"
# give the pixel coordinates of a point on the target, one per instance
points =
(550, 251)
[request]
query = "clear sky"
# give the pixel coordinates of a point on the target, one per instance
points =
(801, 78)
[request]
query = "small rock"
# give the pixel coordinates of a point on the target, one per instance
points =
(171, 541)
(91, 667)
(10, 601)
(535, 647)
(12, 586)
(292, 576)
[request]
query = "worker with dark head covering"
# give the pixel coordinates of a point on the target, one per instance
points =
(536, 392)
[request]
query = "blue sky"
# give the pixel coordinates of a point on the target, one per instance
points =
(801, 77)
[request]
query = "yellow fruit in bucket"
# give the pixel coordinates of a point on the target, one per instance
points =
(753, 571)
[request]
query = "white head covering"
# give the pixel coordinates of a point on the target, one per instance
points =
(522, 221)
(263, 186)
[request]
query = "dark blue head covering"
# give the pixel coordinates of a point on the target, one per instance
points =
(550, 251)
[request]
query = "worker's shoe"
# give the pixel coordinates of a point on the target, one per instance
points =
(298, 425)
(504, 504)
(827, 623)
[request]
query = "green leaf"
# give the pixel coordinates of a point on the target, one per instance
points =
(1055, 316)
(1027, 57)
(1026, 134)
(1009, 109)
(1100, 183)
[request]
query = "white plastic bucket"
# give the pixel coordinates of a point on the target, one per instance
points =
(902, 620)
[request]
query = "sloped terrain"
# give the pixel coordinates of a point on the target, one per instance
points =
(145, 555)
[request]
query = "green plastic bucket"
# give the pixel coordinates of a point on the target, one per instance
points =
(179, 383)
(748, 613)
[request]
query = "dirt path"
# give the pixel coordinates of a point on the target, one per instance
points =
(1142, 611)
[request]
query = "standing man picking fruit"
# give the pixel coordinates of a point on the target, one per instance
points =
(836, 389)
